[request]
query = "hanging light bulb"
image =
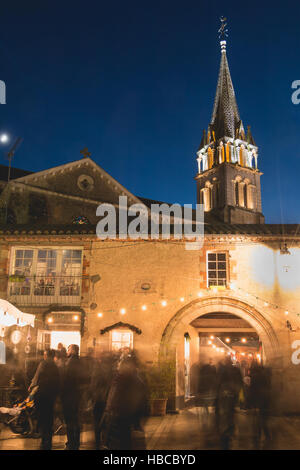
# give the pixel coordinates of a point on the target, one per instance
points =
(164, 303)
(286, 312)
(123, 311)
(181, 299)
(99, 315)
(144, 307)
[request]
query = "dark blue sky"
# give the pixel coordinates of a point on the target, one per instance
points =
(134, 81)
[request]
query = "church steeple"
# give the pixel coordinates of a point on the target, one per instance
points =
(225, 152)
(225, 121)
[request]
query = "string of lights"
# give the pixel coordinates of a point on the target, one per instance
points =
(192, 296)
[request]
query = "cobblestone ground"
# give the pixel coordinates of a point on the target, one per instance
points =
(191, 429)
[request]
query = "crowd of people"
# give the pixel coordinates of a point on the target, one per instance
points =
(112, 385)
(113, 388)
(228, 386)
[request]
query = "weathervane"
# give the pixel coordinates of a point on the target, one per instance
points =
(223, 30)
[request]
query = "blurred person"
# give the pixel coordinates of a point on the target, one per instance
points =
(88, 363)
(229, 384)
(62, 351)
(247, 383)
(60, 360)
(45, 386)
(207, 384)
(101, 380)
(32, 362)
(260, 400)
(124, 405)
(70, 395)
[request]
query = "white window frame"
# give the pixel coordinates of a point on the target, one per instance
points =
(42, 299)
(121, 331)
(227, 268)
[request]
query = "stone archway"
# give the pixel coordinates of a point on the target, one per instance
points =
(180, 323)
(181, 320)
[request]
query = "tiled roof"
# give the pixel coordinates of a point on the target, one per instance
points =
(14, 173)
(218, 228)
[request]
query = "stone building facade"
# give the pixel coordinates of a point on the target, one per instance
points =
(155, 295)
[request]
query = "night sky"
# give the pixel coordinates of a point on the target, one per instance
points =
(134, 81)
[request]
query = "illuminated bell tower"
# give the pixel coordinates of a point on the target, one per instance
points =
(228, 179)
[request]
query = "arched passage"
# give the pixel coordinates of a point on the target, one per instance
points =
(174, 332)
(182, 319)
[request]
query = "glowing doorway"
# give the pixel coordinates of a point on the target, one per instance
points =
(64, 337)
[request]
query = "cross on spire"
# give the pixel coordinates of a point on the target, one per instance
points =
(223, 30)
(85, 152)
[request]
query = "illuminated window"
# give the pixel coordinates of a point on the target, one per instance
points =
(71, 272)
(21, 270)
(121, 339)
(44, 273)
(216, 269)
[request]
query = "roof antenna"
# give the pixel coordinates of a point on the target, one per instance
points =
(10, 156)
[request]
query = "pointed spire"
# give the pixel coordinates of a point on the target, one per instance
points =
(250, 139)
(225, 116)
(203, 140)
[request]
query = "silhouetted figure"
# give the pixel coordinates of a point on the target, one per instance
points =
(46, 385)
(207, 385)
(124, 404)
(62, 352)
(260, 400)
(229, 384)
(71, 381)
(100, 385)
(31, 364)
(60, 360)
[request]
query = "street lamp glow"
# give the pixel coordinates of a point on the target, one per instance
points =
(3, 138)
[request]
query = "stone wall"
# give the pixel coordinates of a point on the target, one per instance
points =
(265, 286)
